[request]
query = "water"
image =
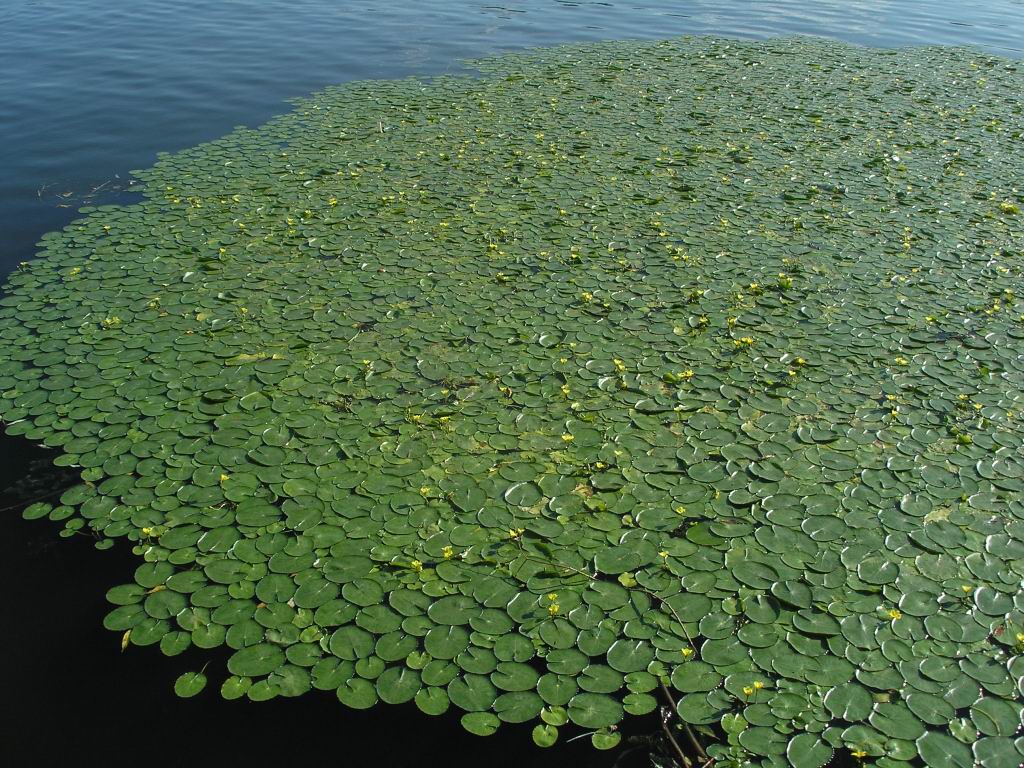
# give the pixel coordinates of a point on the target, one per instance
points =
(90, 89)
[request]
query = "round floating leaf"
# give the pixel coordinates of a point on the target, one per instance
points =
(695, 676)
(235, 687)
(617, 560)
(397, 685)
(593, 710)
(189, 684)
(996, 717)
(930, 708)
(630, 656)
(605, 739)
(523, 494)
(997, 752)
(480, 723)
(544, 735)
(807, 750)
(939, 750)
(850, 702)
(763, 741)
(357, 693)
(432, 701)
(256, 660)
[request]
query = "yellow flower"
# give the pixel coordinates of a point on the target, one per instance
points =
(900, 360)
(587, 297)
(748, 690)
(859, 753)
(966, 588)
(424, 490)
(800, 361)
(680, 510)
(416, 565)
(515, 533)
(448, 552)
(552, 596)
(224, 477)
(554, 608)
(758, 685)
(663, 554)
(687, 652)
(568, 438)
(894, 613)
(619, 365)
(687, 374)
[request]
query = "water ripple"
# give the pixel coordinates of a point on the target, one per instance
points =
(90, 89)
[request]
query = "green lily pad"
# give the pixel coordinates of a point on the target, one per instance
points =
(189, 684)
(505, 404)
(256, 660)
(850, 702)
(593, 710)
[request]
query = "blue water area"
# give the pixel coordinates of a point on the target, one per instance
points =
(90, 89)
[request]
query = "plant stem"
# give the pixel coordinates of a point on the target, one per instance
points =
(683, 759)
(689, 731)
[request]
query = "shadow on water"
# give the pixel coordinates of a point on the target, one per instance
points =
(70, 689)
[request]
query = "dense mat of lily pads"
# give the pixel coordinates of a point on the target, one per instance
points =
(695, 363)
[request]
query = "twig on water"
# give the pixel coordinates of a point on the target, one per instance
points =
(686, 728)
(683, 759)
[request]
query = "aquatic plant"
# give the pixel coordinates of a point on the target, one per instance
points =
(686, 369)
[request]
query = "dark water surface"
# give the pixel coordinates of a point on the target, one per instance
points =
(92, 88)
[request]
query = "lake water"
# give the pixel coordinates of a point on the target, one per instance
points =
(90, 90)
